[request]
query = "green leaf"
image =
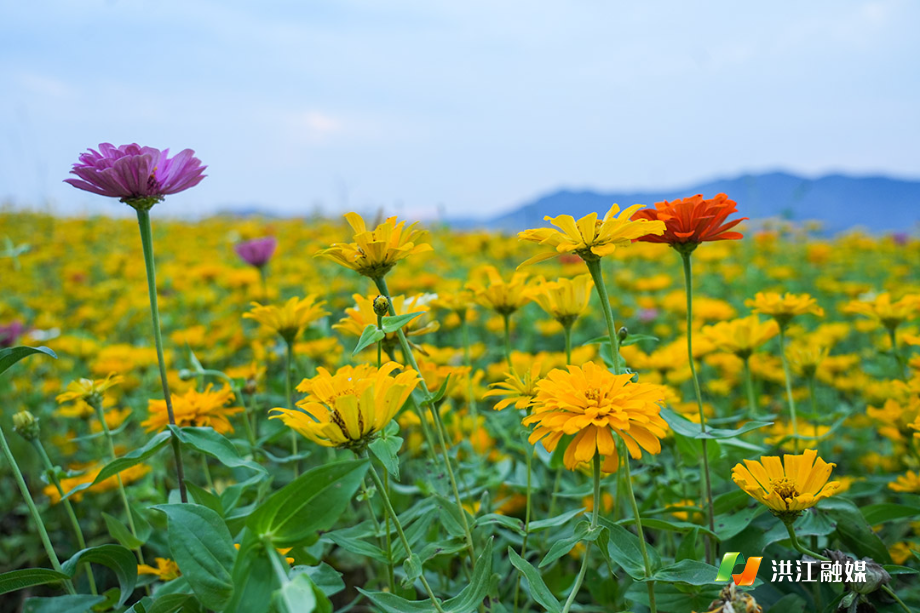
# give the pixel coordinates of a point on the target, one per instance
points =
(386, 449)
(880, 513)
(392, 323)
(561, 547)
(684, 426)
(538, 590)
(790, 603)
(854, 531)
(120, 532)
(552, 522)
(127, 461)
(118, 558)
(312, 502)
(686, 550)
(632, 339)
(296, 596)
(201, 545)
(692, 572)
(894, 569)
(324, 577)
(666, 524)
(473, 594)
(254, 578)
(730, 524)
(442, 391)
(11, 355)
(169, 603)
(623, 548)
(391, 603)
(371, 335)
(204, 498)
(214, 444)
(29, 577)
(78, 603)
(512, 523)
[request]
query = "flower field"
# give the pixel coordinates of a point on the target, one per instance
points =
(310, 415)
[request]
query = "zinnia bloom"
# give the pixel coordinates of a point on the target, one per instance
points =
(257, 252)
(787, 487)
(139, 176)
(88, 390)
(692, 220)
(906, 483)
(166, 569)
(564, 299)
(594, 404)
(194, 408)
(784, 307)
(495, 293)
(374, 253)
(741, 336)
(289, 320)
(883, 310)
(589, 237)
(519, 391)
(349, 408)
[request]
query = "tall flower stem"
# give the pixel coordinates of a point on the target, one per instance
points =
(814, 409)
(389, 542)
(749, 384)
(594, 267)
(587, 554)
(370, 507)
(707, 479)
(507, 320)
(143, 221)
(42, 533)
(96, 403)
(567, 333)
(381, 284)
(782, 354)
(624, 461)
(893, 336)
(289, 396)
(399, 530)
(78, 532)
(528, 459)
(798, 546)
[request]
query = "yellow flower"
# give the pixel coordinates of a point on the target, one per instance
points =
(784, 307)
(503, 298)
(805, 355)
(194, 408)
(564, 299)
(589, 237)
(374, 253)
(289, 320)
(908, 483)
(741, 336)
(520, 391)
(166, 569)
(88, 390)
(594, 404)
(882, 310)
(789, 486)
(348, 408)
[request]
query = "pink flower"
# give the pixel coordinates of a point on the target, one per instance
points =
(10, 332)
(139, 176)
(257, 252)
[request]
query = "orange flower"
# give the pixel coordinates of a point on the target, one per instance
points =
(692, 220)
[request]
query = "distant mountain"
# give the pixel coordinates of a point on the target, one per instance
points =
(840, 201)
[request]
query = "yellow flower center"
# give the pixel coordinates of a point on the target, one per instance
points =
(593, 394)
(784, 487)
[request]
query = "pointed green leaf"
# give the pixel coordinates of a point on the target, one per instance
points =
(538, 589)
(119, 559)
(371, 335)
(392, 323)
(29, 577)
(125, 462)
(386, 449)
(214, 444)
(684, 426)
(11, 355)
(473, 594)
(121, 532)
(78, 603)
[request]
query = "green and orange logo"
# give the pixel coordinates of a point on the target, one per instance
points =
(730, 560)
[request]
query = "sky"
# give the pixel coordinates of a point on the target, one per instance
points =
(464, 108)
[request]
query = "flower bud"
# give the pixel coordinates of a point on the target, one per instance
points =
(26, 425)
(185, 374)
(622, 333)
(381, 305)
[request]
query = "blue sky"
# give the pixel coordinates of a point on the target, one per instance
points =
(466, 107)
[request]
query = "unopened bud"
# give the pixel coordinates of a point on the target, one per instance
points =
(381, 305)
(185, 374)
(622, 333)
(26, 425)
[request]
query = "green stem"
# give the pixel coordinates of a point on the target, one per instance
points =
(380, 342)
(892, 334)
(782, 354)
(707, 478)
(594, 267)
(439, 426)
(263, 277)
(749, 383)
(891, 593)
(507, 319)
(402, 535)
(78, 532)
(96, 403)
(389, 543)
(624, 460)
(143, 222)
(528, 459)
(798, 546)
(567, 333)
(43, 534)
(814, 409)
(207, 474)
(587, 554)
(289, 397)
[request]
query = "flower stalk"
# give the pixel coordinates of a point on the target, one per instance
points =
(594, 514)
(143, 221)
(788, 377)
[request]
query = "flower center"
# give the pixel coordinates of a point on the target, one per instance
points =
(593, 395)
(152, 184)
(784, 487)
